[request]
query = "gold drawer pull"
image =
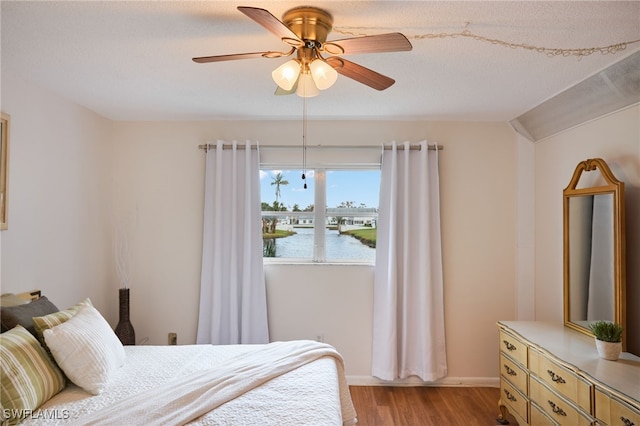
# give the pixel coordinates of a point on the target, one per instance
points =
(626, 421)
(510, 371)
(557, 410)
(509, 346)
(510, 397)
(556, 378)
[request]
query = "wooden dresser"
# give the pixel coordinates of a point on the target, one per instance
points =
(552, 375)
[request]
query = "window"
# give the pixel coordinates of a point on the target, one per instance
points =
(349, 214)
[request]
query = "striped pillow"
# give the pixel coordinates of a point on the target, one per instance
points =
(86, 349)
(46, 322)
(29, 377)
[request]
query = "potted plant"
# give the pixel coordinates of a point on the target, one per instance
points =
(608, 339)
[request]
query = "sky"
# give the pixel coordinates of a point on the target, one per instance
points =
(359, 186)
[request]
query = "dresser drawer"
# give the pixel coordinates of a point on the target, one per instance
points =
(540, 418)
(555, 406)
(514, 373)
(515, 401)
(562, 380)
(614, 412)
(513, 347)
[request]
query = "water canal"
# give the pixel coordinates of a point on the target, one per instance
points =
(300, 246)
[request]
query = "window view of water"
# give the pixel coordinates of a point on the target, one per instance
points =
(300, 245)
(349, 200)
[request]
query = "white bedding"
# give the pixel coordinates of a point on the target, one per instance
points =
(308, 395)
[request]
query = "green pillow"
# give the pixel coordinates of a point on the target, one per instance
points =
(46, 322)
(29, 376)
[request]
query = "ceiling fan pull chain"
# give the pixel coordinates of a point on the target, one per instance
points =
(304, 141)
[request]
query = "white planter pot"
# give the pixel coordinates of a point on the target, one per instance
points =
(609, 350)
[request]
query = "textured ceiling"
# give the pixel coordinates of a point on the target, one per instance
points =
(132, 60)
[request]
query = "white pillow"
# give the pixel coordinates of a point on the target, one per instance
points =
(86, 349)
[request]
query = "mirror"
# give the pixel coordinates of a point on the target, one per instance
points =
(594, 268)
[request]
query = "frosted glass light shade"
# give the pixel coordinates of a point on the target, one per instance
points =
(306, 86)
(286, 74)
(323, 74)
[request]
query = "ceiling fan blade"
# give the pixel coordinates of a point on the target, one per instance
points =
(390, 42)
(361, 74)
(270, 22)
(235, 56)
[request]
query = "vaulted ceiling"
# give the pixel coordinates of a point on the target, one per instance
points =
(131, 60)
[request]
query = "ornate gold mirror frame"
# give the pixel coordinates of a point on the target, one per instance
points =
(594, 247)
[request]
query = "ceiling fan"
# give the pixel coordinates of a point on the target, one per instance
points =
(305, 30)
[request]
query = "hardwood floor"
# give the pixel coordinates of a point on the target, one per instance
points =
(426, 406)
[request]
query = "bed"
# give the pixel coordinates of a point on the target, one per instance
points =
(281, 383)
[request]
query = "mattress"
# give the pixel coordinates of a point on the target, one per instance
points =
(308, 395)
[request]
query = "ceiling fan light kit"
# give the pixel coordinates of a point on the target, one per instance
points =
(323, 74)
(305, 29)
(286, 75)
(307, 69)
(306, 87)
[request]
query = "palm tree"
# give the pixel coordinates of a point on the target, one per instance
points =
(278, 180)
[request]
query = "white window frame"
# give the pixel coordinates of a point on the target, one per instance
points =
(319, 216)
(320, 159)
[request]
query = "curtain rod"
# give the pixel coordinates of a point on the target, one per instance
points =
(209, 146)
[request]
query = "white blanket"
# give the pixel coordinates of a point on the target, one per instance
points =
(185, 399)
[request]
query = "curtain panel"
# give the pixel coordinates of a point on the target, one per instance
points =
(408, 310)
(233, 303)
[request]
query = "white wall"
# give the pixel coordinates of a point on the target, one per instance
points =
(525, 229)
(334, 301)
(58, 238)
(159, 180)
(616, 139)
(74, 175)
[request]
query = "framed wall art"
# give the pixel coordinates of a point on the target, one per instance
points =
(4, 169)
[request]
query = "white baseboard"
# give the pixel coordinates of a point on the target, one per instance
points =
(491, 382)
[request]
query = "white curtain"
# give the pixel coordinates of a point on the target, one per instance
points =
(408, 310)
(233, 303)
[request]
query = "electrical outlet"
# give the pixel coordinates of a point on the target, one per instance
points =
(173, 338)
